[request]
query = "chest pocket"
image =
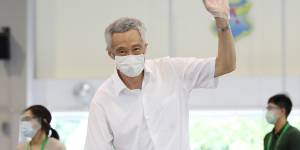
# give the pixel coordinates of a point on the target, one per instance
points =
(164, 111)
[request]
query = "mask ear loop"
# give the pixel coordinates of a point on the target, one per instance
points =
(110, 54)
(264, 113)
(50, 128)
(21, 137)
(37, 121)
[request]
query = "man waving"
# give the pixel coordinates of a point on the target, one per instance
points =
(144, 104)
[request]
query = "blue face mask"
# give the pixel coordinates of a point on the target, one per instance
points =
(271, 117)
(28, 129)
(130, 65)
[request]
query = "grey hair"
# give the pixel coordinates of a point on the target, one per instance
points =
(123, 25)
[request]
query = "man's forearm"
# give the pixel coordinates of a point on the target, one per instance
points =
(226, 59)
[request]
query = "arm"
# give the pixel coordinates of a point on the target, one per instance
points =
(61, 147)
(295, 141)
(266, 140)
(226, 59)
(99, 135)
(20, 147)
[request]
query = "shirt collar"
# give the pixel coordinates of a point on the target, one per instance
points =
(119, 85)
(280, 129)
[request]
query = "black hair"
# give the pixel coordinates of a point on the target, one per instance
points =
(44, 114)
(282, 101)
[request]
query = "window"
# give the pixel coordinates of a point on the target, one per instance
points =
(71, 127)
(231, 130)
(209, 130)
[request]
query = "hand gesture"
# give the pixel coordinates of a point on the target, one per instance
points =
(218, 8)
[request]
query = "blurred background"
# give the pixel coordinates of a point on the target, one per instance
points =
(58, 59)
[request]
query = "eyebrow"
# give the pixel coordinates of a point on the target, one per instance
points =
(26, 117)
(119, 48)
(136, 45)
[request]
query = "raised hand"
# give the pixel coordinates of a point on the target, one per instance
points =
(218, 8)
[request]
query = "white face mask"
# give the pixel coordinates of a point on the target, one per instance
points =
(28, 129)
(271, 117)
(130, 65)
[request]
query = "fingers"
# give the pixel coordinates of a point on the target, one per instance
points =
(205, 3)
(225, 3)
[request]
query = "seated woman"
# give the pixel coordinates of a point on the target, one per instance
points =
(36, 132)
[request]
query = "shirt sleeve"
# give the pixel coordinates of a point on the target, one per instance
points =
(295, 141)
(99, 135)
(266, 138)
(62, 146)
(21, 146)
(195, 72)
(56, 145)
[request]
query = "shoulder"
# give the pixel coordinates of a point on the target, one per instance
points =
(267, 136)
(181, 61)
(158, 62)
(163, 64)
(104, 91)
(21, 146)
(168, 60)
(55, 144)
(294, 132)
(163, 68)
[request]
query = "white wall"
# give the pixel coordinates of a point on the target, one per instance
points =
(71, 45)
(65, 59)
(13, 73)
(70, 35)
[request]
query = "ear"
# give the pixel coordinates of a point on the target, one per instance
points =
(110, 54)
(146, 46)
(283, 111)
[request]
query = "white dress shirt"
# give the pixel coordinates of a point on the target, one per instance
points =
(155, 117)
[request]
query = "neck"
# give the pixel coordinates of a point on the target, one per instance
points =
(38, 138)
(132, 82)
(280, 124)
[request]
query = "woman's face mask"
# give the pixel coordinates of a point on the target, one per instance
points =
(29, 128)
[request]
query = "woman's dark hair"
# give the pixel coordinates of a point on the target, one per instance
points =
(44, 114)
(282, 101)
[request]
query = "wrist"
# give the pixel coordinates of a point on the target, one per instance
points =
(223, 29)
(221, 22)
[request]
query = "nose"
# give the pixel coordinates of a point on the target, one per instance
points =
(130, 52)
